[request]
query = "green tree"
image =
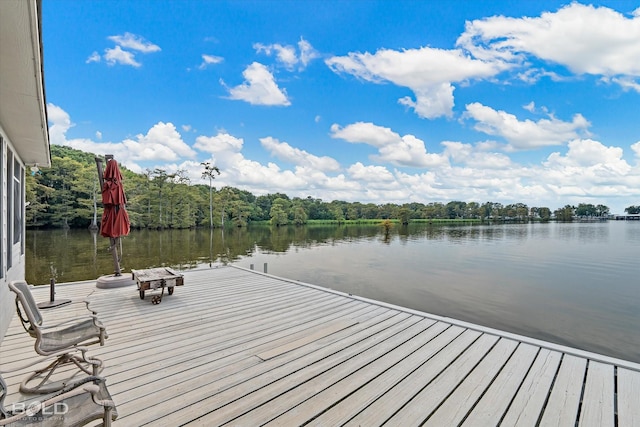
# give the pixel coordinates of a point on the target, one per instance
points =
(404, 215)
(632, 210)
(279, 212)
(565, 214)
(210, 172)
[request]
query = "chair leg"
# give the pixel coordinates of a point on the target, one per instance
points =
(43, 375)
(106, 422)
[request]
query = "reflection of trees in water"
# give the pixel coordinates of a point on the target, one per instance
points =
(83, 255)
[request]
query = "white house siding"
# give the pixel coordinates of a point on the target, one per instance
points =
(23, 132)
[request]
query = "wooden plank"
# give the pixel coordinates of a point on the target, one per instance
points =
(201, 353)
(147, 396)
(598, 398)
(355, 392)
(562, 407)
(207, 397)
(330, 369)
(529, 401)
(492, 405)
(628, 397)
(320, 396)
(466, 393)
(327, 329)
(470, 346)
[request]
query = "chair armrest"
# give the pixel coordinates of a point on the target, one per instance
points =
(80, 349)
(74, 320)
(87, 303)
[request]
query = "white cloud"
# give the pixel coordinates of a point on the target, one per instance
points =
(288, 56)
(118, 56)
(59, 124)
(475, 157)
(525, 134)
(589, 155)
(470, 172)
(209, 60)
(131, 43)
(370, 174)
(428, 72)
(636, 146)
(392, 148)
(307, 52)
(161, 143)
(287, 153)
(594, 40)
(259, 88)
(94, 57)
(285, 54)
(220, 143)
(134, 42)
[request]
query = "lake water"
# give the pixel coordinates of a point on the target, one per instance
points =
(574, 284)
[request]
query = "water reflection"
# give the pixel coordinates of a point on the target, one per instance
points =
(573, 284)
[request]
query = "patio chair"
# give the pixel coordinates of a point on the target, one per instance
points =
(61, 338)
(75, 405)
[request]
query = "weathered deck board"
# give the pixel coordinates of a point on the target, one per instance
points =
(562, 408)
(598, 400)
(529, 401)
(245, 348)
(628, 392)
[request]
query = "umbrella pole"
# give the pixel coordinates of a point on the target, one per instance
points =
(114, 252)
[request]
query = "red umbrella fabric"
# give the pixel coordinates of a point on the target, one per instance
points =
(115, 219)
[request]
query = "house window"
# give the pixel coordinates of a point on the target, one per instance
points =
(9, 193)
(18, 200)
(15, 207)
(1, 205)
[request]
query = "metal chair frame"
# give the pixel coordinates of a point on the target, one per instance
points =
(62, 339)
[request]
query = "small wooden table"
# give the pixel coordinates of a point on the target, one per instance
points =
(154, 278)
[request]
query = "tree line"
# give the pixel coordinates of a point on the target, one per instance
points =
(68, 195)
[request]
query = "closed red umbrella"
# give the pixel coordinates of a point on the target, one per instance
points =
(115, 219)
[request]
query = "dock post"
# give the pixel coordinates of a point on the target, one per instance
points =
(265, 267)
(250, 266)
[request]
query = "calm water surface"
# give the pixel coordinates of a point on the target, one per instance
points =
(574, 284)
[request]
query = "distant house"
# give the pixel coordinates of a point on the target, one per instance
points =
(24, 135)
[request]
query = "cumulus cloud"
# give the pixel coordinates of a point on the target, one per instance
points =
(124, 53)
(94, 57)
(595, 40)
(370, 174)
(118, 56)
(287, 153)
(287, 55)
(398, 150)
(209, 60)
(219, 143)
(525, 134)
(134, 42)
(259, 87)
(461, 171)
(428, 72)
(589, 154)
(161, 143)
(475, 157)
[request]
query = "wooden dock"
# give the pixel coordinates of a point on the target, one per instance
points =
(242, 348)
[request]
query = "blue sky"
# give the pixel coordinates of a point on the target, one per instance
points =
(370, 101)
